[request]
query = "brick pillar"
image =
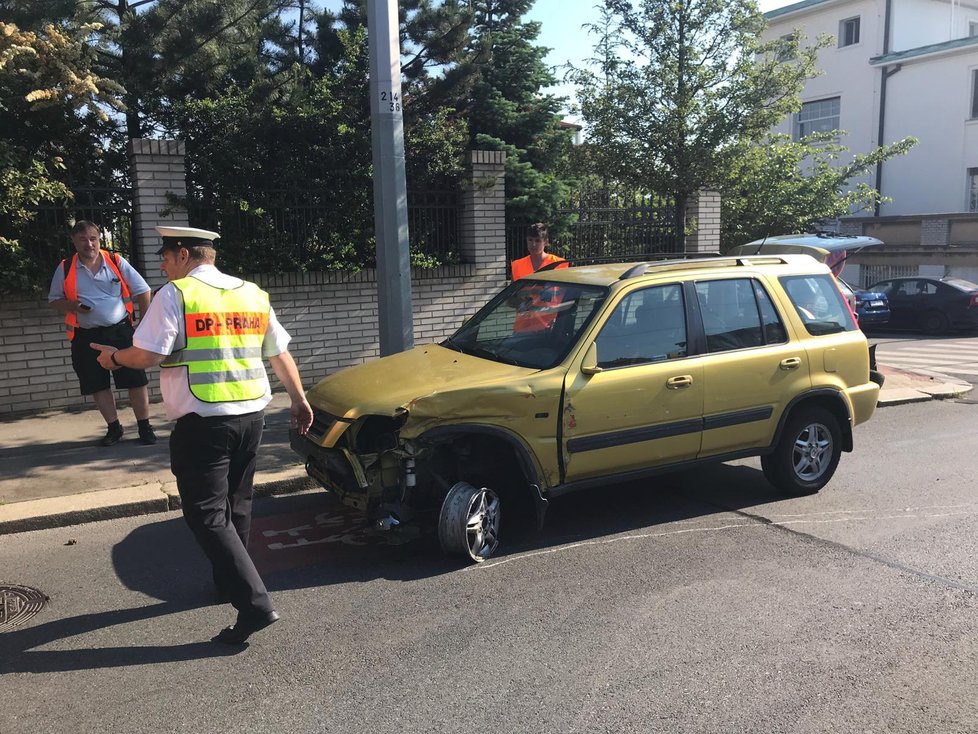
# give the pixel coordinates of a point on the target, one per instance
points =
(158, 173)
(703, 213)
(483, 215)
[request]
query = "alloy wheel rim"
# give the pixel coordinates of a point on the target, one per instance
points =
(812, 452)
(482, 524)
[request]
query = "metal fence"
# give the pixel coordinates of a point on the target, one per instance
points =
(606, 226)
(292, 230)
(46, 240)
(875, 273)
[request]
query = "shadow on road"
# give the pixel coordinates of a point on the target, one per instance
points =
(311, 541)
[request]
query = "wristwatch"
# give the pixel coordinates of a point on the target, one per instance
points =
(114, 360)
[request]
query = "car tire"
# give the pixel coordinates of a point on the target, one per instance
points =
(935, 322)
(807, 453)
(468, 523)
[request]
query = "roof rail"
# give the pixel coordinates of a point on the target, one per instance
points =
(706, 262)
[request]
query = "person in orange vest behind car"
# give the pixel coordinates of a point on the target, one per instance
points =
(95, 289)
(537, 240)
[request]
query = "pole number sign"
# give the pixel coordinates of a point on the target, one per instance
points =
(391, 98)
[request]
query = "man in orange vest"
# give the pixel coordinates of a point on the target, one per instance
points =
(529, 318)
(95, 289)
(537, 240)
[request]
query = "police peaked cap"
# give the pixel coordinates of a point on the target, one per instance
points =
(177, 237)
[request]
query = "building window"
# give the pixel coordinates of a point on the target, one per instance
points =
(849, 32)
(785, 54)
(974, 94)
(973, 28)
(816, 117)
(973, 189)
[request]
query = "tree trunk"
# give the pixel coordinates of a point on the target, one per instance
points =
(679, 221)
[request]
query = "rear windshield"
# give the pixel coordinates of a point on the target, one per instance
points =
(965, 285)
(819, 303)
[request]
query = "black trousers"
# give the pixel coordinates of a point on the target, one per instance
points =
(213, 460)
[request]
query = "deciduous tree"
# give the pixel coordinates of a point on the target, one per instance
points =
(678, 85)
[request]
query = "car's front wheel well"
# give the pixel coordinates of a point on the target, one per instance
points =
(488, 460)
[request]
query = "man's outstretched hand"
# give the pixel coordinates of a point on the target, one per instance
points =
(105, 355)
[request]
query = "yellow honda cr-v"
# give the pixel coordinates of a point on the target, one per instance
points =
(590, 375)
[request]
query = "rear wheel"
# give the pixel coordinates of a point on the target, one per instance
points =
(469, 522)
(935, 322)
(807, 454)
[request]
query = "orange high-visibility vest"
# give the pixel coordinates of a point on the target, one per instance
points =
(524, 266)
(71, 287)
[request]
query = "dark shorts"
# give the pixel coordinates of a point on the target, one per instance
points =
(91, 375)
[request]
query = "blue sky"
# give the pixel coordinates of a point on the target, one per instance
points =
(562, 32)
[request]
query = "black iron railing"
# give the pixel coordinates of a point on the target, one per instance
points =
(46, 239)
(606, 226)
(289, 230)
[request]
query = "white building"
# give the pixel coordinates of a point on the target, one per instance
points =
(899, 68)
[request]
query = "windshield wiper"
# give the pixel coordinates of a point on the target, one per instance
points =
(489, 354)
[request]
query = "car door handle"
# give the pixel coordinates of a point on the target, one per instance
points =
(675, 383)
(791, 363)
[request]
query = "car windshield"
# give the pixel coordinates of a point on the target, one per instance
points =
(965, 285)
(531, 323)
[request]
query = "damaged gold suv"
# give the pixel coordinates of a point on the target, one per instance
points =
(584, 376)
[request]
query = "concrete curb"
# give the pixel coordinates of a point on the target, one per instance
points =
(110, 504)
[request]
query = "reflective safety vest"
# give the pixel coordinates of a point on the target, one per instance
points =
(71, 287)
(524, 266)
(225, 329)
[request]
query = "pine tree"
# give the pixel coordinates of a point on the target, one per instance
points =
(507, 109)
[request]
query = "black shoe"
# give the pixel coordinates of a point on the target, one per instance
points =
(111, 437)
(147, 435)
(245, 628)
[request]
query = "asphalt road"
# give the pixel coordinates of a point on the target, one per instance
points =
(702, 602)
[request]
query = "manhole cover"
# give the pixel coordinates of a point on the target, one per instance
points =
(18, 604)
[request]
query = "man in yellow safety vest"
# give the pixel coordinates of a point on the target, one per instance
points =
(210, 332)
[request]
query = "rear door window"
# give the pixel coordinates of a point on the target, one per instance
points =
(731, 317)
(819, 303)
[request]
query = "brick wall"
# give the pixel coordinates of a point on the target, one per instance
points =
(332, 317)
(704, 212)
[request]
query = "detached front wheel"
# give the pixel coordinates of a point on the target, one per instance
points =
(469, 522)
(807, 455)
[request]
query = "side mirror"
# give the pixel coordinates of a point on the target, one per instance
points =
(590, 364)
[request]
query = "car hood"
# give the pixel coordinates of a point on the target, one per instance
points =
(423, 377)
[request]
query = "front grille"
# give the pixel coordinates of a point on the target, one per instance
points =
(322, 422)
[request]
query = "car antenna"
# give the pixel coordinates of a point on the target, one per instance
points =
(763, 241)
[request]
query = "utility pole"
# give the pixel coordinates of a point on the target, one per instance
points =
(390, 187)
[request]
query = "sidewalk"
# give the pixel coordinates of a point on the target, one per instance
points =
(52, 474)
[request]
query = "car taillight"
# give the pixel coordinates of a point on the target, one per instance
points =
(974, 300)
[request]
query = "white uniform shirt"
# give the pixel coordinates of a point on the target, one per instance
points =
(163, 327)
(101, 290)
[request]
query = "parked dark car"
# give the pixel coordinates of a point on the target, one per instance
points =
(871, 307)
(933, 305)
